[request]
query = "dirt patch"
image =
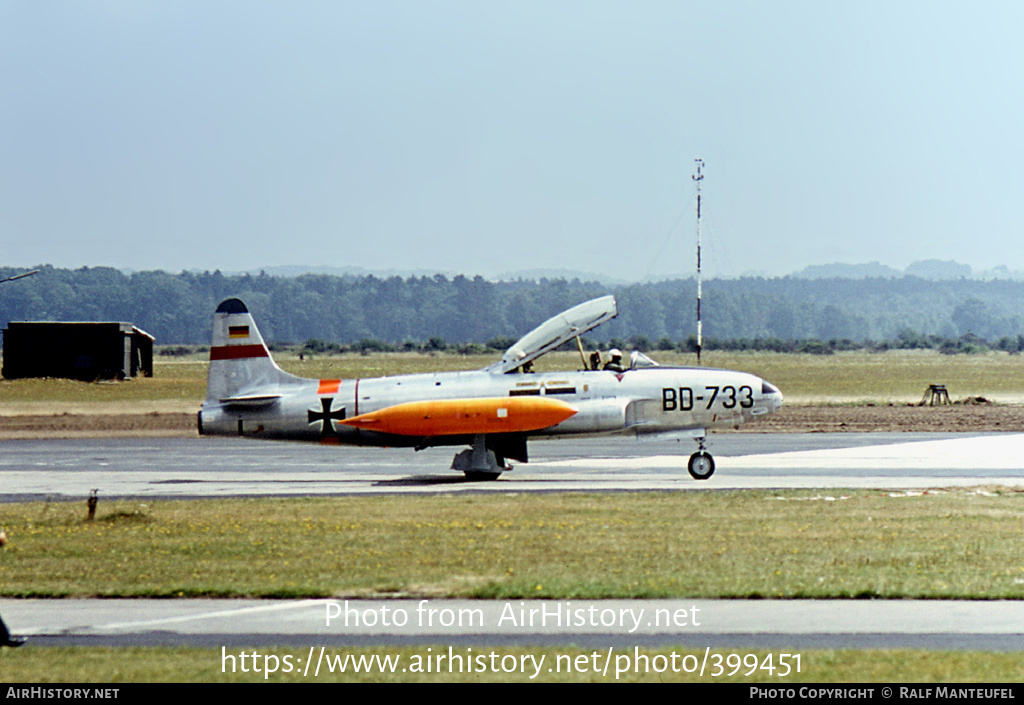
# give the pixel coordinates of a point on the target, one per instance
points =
(171, 425)
(974, 416)
(971, 416)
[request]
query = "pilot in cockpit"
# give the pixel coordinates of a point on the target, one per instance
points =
(614, 364)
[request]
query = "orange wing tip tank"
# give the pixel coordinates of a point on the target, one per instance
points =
(465, 416)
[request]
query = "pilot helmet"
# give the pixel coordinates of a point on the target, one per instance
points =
(614, 352)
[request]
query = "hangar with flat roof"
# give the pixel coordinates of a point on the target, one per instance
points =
(76, 350)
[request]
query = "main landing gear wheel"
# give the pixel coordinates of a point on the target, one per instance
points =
(701, 465)
(479, 463)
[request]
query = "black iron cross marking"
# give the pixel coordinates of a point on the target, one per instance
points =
(326, 417)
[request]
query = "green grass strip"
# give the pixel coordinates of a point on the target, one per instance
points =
(731, 544)
(567, 664)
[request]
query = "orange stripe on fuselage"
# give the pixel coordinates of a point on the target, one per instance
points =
(329, 386)
(452, 417)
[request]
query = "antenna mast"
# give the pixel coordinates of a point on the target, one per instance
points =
(698, 177)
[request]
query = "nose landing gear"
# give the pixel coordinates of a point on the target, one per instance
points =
(701, 465)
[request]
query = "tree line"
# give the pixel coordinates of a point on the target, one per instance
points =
(822, 315)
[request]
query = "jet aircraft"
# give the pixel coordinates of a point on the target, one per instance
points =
(493, 410)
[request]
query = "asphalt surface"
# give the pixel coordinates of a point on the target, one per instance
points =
(770, 624)
(222, 467)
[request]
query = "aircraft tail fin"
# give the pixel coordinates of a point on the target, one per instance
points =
(241, 368)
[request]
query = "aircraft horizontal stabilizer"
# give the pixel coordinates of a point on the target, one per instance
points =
(254, 400)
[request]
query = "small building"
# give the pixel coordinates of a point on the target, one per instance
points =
(85, 351)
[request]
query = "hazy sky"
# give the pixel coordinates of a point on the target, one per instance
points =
(480, 136)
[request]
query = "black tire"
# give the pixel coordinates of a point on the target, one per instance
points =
(701, 466)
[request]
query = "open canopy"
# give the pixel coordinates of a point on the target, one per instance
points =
(555, 331)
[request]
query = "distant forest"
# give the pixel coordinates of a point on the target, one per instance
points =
(439, 311)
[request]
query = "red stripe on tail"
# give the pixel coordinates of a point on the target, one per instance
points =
(237, 352)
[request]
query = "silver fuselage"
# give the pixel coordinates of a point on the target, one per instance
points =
(648, 400)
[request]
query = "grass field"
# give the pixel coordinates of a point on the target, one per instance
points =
(799, 544)
(853, 377)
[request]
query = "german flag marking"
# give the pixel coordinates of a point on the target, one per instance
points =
(238, 331)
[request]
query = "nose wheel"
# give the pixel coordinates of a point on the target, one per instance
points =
(701, 465)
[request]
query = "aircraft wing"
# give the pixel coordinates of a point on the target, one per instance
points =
(555, 331)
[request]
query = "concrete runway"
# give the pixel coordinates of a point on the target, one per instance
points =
(769, 624)
(218, 467)
(222, 467)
